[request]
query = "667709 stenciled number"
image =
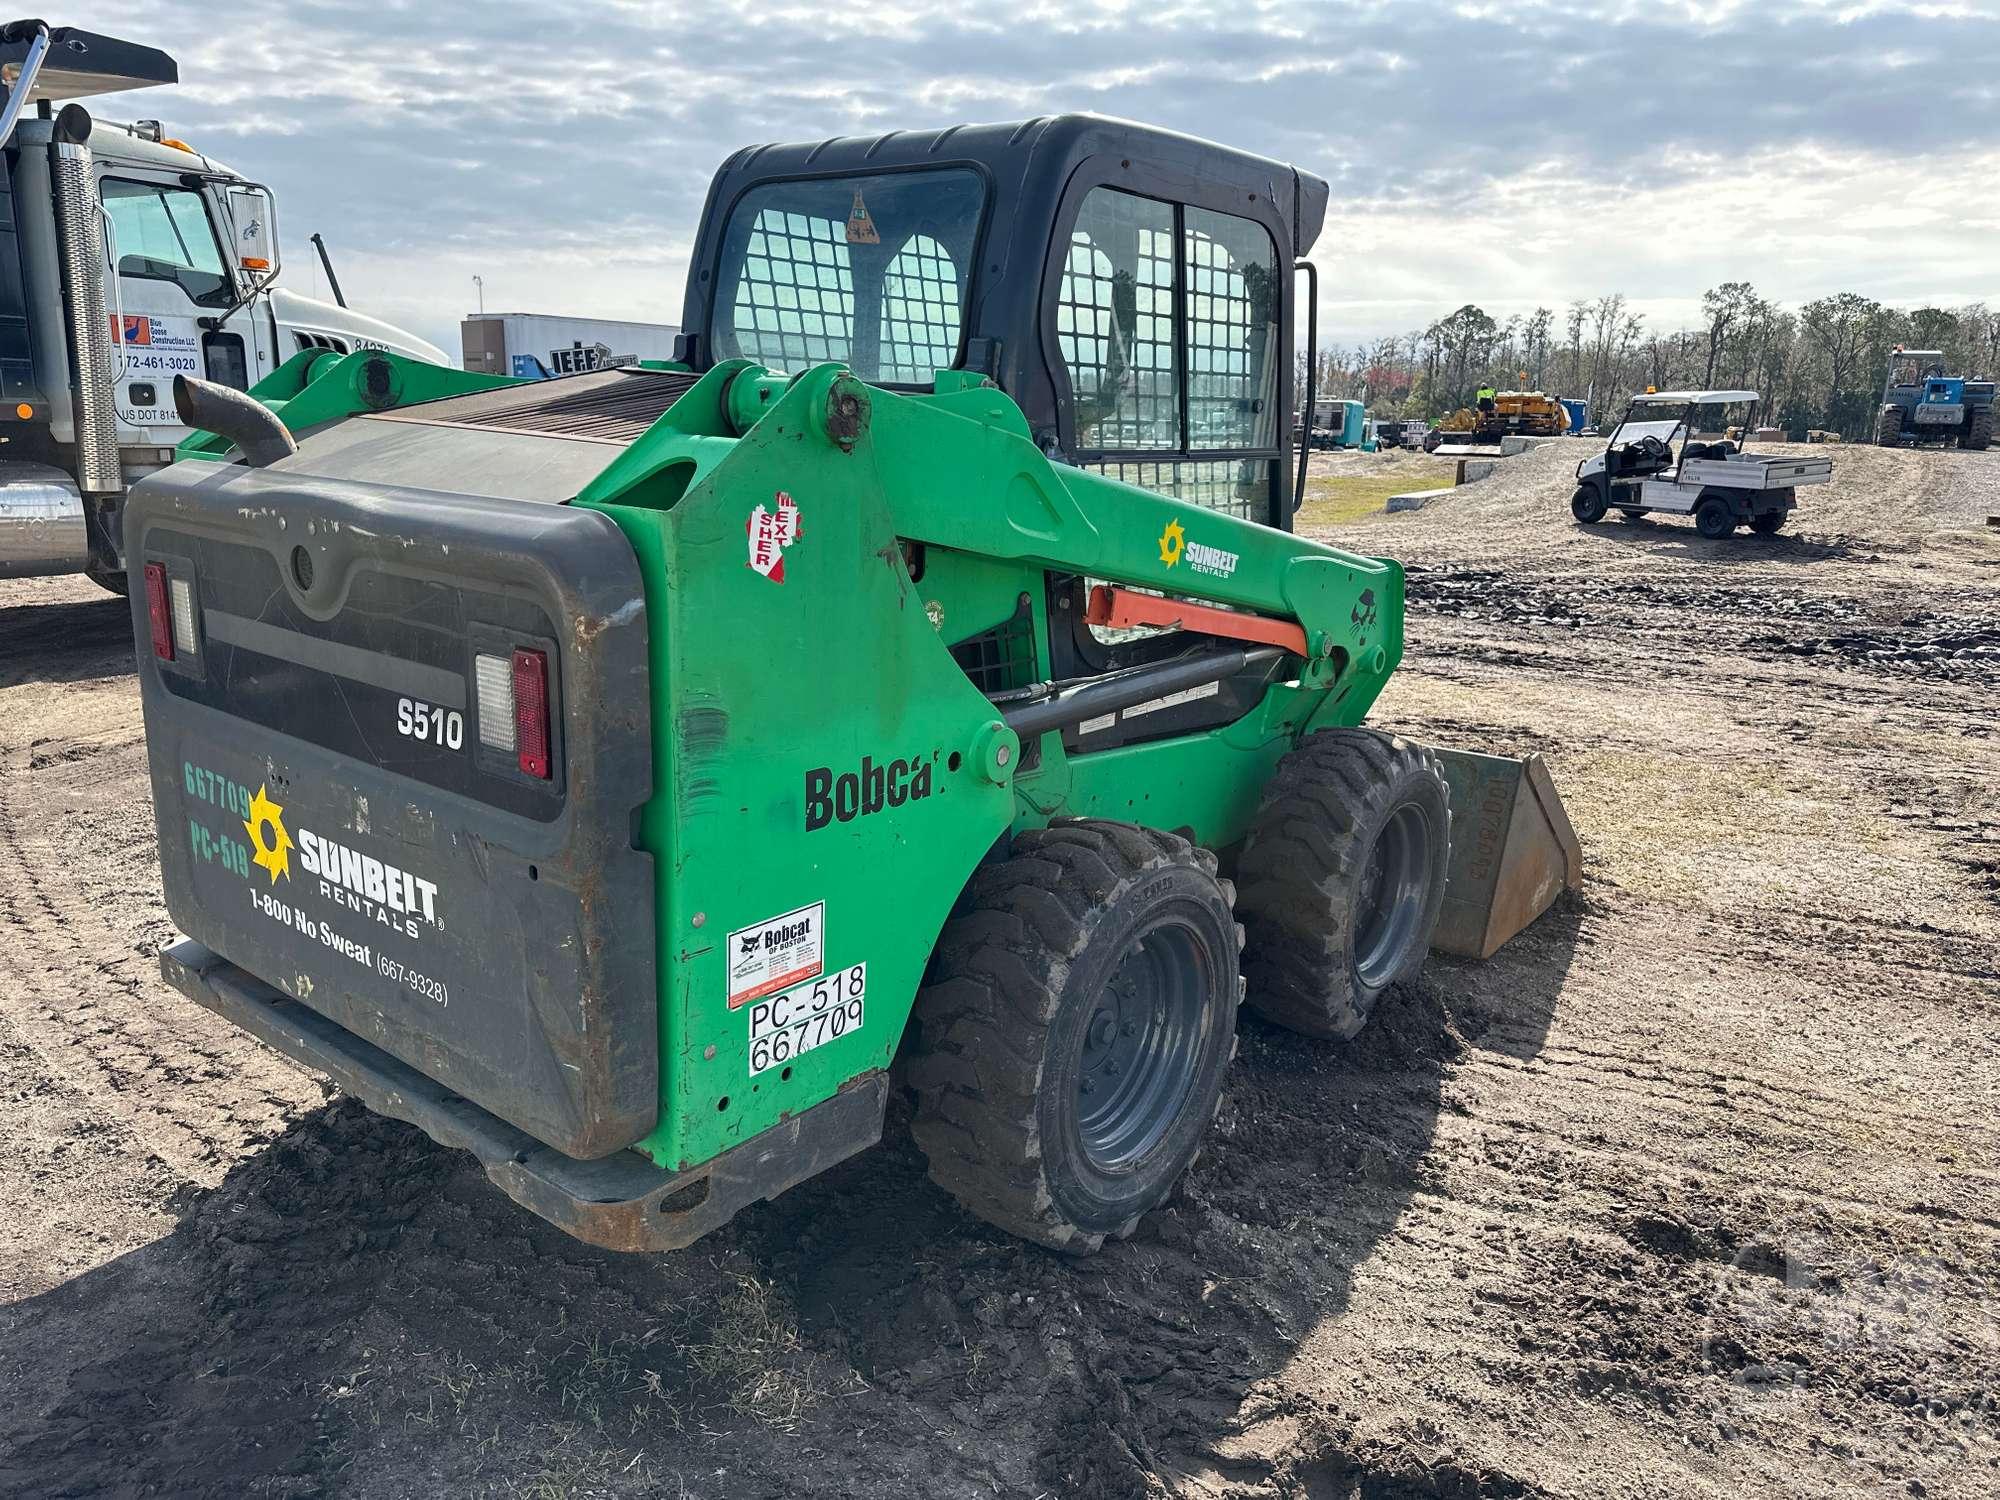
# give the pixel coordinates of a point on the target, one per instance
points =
(790, 1025)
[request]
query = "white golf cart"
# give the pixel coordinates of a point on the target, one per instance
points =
(1717, 483)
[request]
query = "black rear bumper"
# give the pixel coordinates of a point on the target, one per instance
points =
(620, 1202)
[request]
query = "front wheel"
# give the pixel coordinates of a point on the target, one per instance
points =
(1587, 504)
(1343, 878)
(1073, 1034)
(1714, 519)
(1889, 427)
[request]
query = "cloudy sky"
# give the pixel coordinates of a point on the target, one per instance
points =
(1499, 153)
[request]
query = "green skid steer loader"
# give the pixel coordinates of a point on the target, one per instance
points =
(618, 776)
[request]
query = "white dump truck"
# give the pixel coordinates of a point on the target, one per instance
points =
(126, 258)
(1655, 461)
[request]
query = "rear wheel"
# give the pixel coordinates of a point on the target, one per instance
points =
(1587, 504)
(1768, 522)
(117, 583)
(1343, 878)
(1714, 519)
(1979, 430)
(1079, 1017)
(1889, 427)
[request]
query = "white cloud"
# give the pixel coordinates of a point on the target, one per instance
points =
(1515, 154)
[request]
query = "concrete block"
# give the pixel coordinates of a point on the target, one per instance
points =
(1414, 500)
(1472, 470)
(1520, 443)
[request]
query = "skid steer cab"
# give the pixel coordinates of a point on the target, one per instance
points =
(618, 776)
(1669, 455)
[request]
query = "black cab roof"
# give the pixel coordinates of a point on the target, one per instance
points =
(1035, 174)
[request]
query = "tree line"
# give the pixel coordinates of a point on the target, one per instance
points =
(1821, 366)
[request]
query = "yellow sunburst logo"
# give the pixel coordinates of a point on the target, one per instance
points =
(266, 827)
(1173, 541)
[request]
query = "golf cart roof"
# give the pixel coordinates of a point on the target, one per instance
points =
(1696, 398)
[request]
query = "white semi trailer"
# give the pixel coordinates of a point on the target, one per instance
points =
(538, 346)
(126, 258)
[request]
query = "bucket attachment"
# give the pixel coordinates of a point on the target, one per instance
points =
(1512, 850)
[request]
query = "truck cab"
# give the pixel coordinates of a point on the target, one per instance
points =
(127, 257)
(1922, 402)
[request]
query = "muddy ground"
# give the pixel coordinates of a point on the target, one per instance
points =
(1690, 1192)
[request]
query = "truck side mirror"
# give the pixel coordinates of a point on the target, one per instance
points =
(252, 215)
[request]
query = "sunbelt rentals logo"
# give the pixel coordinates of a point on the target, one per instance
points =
(266, 827)
(1200, 557)
(382, 892)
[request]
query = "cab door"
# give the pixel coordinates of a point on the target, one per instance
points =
(171, 252)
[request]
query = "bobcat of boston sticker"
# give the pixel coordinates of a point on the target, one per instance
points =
(771, 532)
(776, 954)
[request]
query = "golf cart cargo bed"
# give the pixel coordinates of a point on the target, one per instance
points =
(1752, 471)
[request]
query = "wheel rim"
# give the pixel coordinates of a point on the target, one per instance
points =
(1395, 886)
(1142, 1047)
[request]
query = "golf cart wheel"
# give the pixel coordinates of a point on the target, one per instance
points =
(1768, 522)
(1889, 427)
(104, 578)
(1587, 504)
(1074, 1029)
(1343, 878)
(1714, 519)
(1979, 430)
(1634, 512)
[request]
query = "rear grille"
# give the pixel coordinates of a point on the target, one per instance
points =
(605, 406)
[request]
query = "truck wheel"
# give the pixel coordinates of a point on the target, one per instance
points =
(1714, 519)
(1343, 878)
(1768, 522)
(1587, 504)
(1979, 429)
(1889, 427)
(1078, 1018)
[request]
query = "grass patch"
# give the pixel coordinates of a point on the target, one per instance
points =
(1349, 497)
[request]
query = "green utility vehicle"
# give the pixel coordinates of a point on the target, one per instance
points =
(625, 776)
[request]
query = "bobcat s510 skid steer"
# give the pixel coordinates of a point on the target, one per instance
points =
(616, 775)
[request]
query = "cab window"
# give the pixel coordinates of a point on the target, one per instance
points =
(1166, 321)
(870, 271)
(163, 233)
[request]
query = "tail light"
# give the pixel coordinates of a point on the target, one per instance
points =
(493, 683)
(158, 611)
(180, 601)
(513, 697)
(531, 712)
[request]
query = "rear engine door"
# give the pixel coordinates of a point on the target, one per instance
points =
(398, 744)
